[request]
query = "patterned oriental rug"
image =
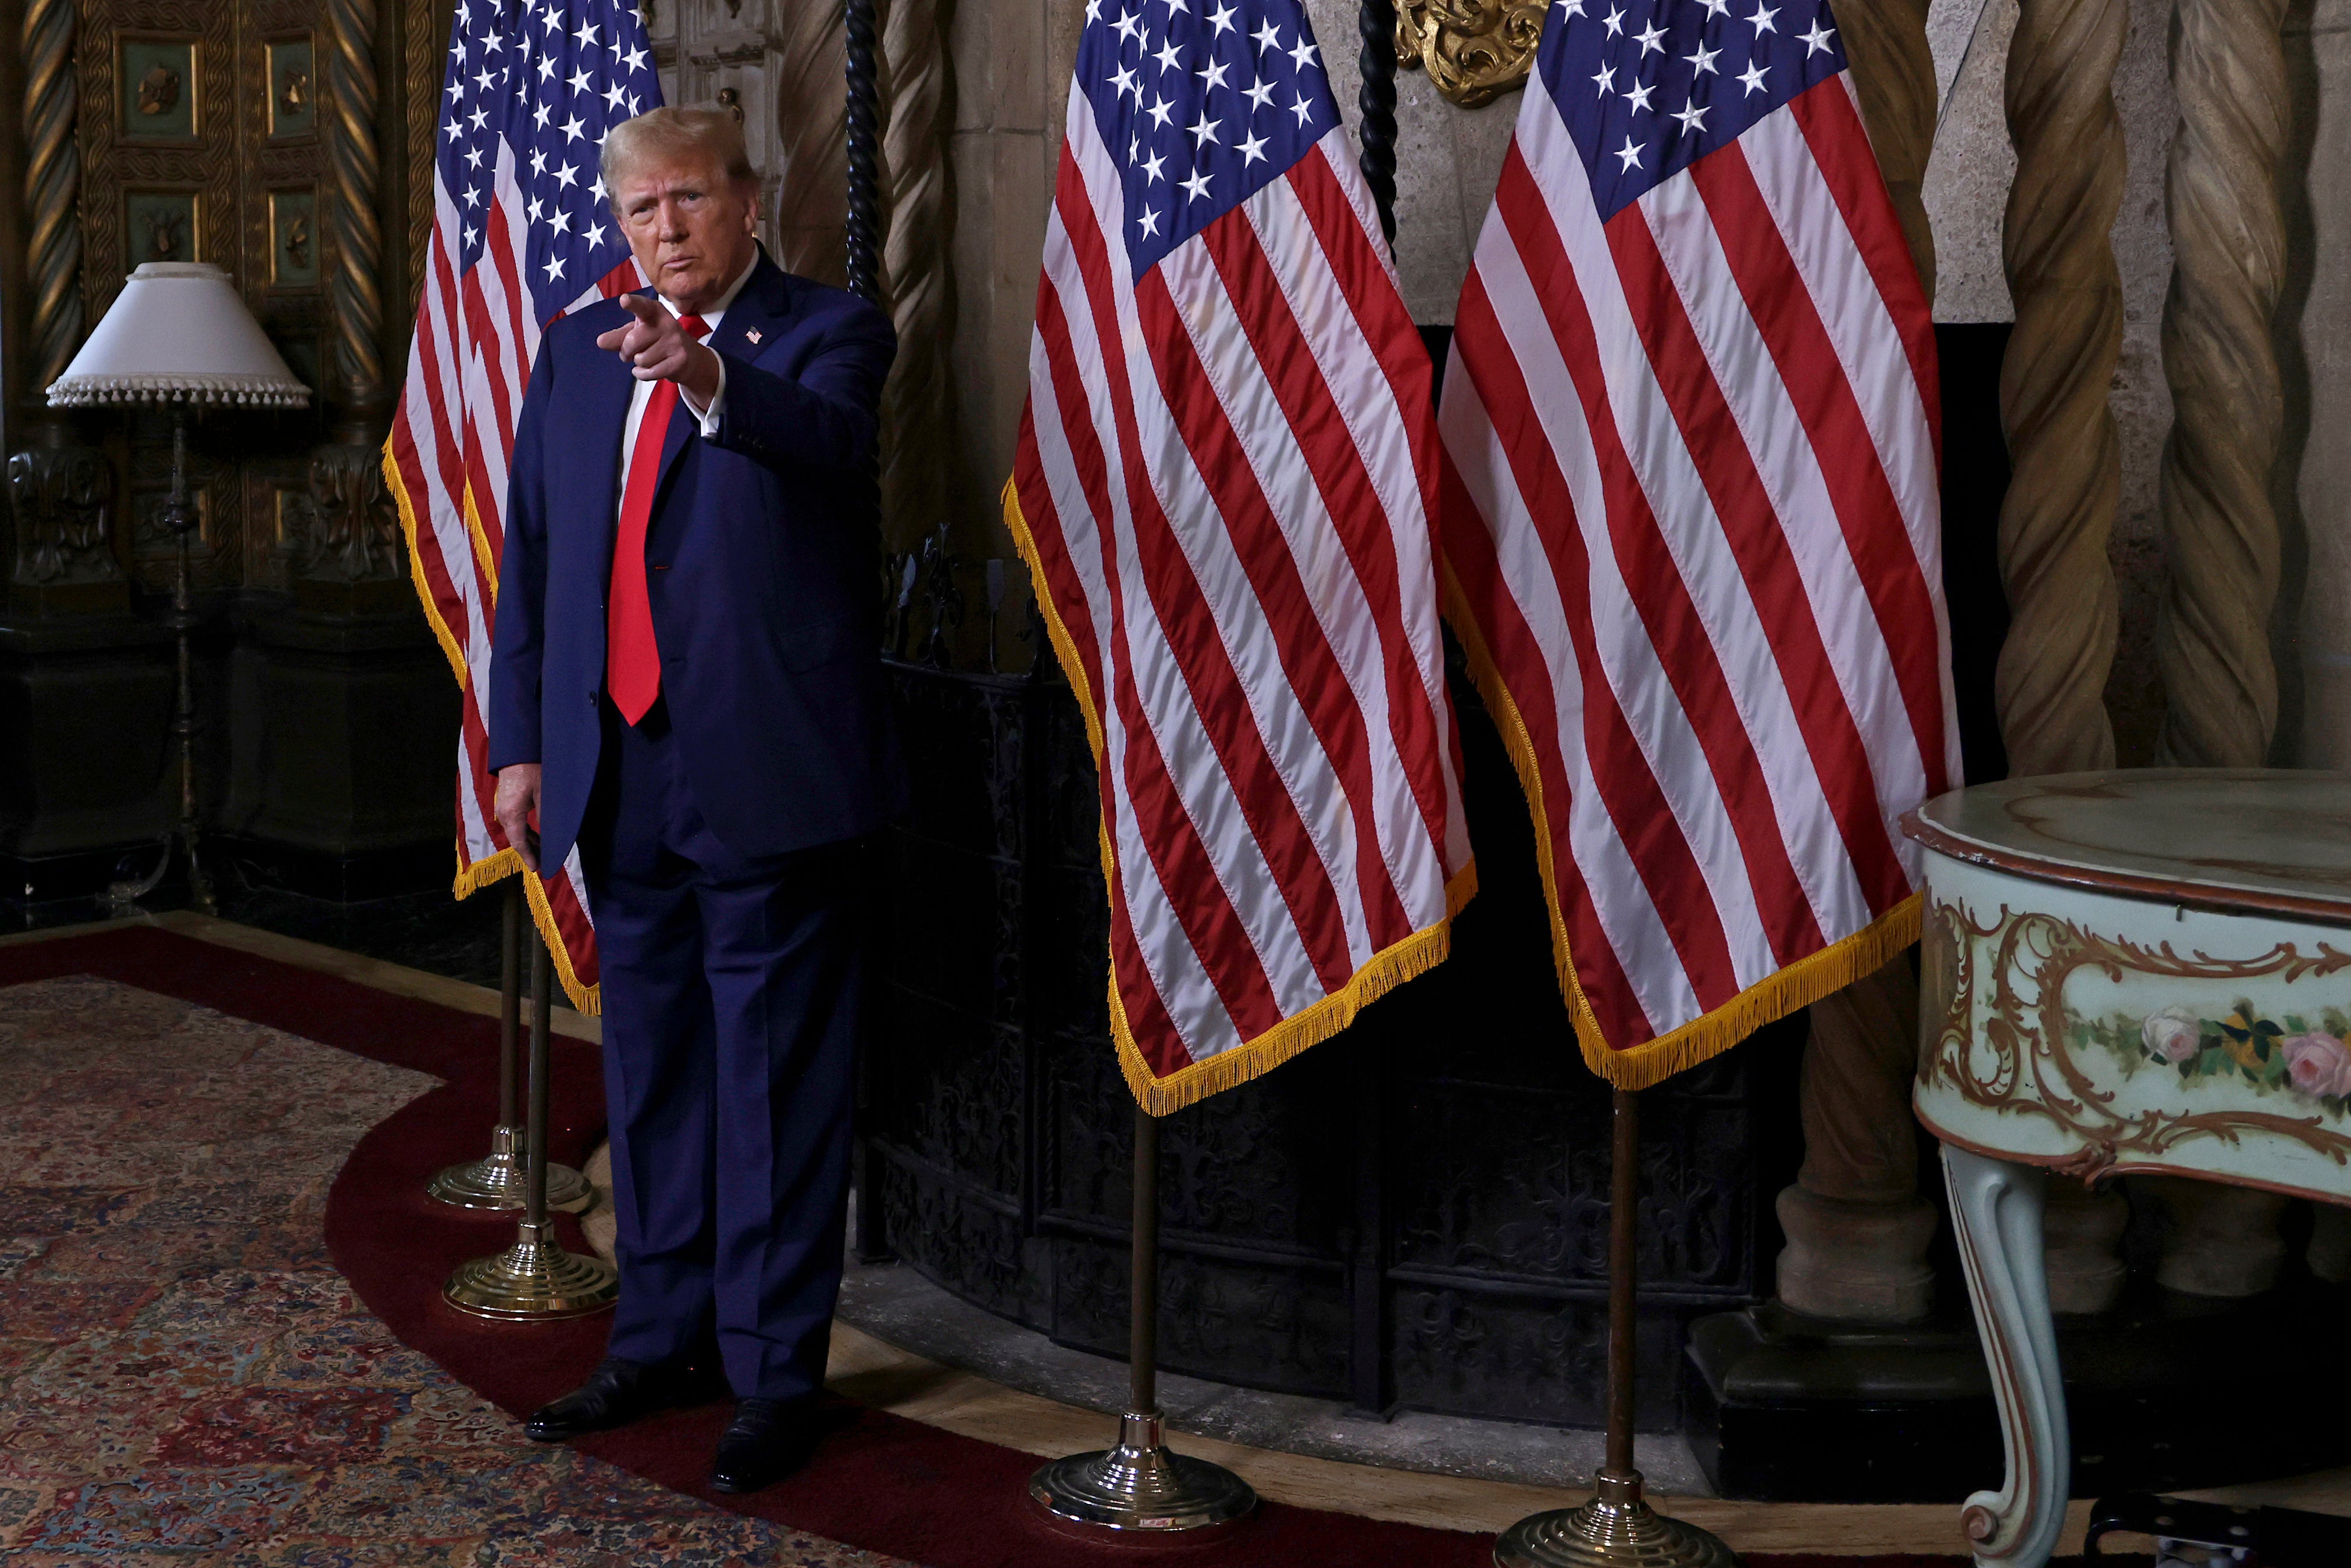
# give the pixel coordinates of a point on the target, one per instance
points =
(222, 1340)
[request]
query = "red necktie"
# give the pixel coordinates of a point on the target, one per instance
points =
(632, 657)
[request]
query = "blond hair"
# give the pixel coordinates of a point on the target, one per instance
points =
(672, 132)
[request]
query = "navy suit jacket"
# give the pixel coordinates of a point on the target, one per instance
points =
(761, 569)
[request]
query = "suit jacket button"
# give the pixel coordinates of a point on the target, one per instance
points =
(591, 699)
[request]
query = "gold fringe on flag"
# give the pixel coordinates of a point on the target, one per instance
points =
(472, 879)
(1702, 1039)
(1392, 967)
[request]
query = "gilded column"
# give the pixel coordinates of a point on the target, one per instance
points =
(52, 188)
(356, 285)
(916, 279)
(2066, 459)
(1857, 1230)
(2228, 237)
(812, 129)
(1894, 73)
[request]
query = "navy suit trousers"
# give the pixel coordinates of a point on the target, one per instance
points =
(732, 990)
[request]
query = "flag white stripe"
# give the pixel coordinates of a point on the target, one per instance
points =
(1628, 916)
(1628, 660)
(1242, 870)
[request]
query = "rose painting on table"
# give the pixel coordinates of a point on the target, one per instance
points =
(2302, 1056)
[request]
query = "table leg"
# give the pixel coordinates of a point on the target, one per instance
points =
(1996, 1211)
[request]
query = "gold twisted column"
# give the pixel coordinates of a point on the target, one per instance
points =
(2067, 461)
(1857, 1230)
(354, 288)
(2228, 237)
(52, 190)
(812, 129)
(1894, 73)
(918, 223)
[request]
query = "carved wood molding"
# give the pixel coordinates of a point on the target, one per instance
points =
(2050, 687)
(917, 283)
(2228, 239)
(1894, 74)
(52, 190)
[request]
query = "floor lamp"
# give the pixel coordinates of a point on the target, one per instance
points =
(179, 337)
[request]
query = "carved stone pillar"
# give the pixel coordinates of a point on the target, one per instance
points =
(2066, 461)
(1857, 1230)
(2228, 238)
(2066, 456)
(813, 140)
(916, 279)
(2223, 1241)
(52, 188)
(1894, 74)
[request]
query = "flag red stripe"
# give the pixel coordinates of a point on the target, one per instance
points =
(1636, 802)
(1833, 129)
(1211, 923)
(1518, 659)
(1758, 545)
(1653, 580)
(1148, 1018)
(1305, 654)
(1866, 508)
(1369, 537)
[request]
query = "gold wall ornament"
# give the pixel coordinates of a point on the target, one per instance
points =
(1473, 50)
(295, 93)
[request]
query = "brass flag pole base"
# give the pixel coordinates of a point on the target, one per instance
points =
(534, 1280)
(500, 1180)
(1138, 1490)
(1140, 1487)
(1616, 1528)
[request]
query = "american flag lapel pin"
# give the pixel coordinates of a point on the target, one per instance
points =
(752, 333)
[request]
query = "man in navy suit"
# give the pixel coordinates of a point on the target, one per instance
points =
(686, 686)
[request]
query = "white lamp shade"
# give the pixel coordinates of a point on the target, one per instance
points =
(178, 332)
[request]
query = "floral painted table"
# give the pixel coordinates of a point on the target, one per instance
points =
(2143, 971)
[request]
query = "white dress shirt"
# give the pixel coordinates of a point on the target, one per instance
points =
(643, 391)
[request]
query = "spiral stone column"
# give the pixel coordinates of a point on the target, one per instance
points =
(916, 282)
(2228, 237)
(355, 286)
(2066, 469)
(52, 188)
(2066, 460)
(1857, 1230)
(807, 45)
(1894, 73)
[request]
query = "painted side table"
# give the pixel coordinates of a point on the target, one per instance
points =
(2141, 972)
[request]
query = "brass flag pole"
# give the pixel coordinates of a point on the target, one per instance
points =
(535, 1279)
(1139, 1490)
(497, 1180)
(1616, 1528)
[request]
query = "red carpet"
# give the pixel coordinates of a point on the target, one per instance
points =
(880, 1481)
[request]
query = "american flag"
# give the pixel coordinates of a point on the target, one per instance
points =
(1224, 486)
(522, 231)
(1691, 415)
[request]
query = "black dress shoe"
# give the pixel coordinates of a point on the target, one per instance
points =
(617, 1393)
(768, 1439)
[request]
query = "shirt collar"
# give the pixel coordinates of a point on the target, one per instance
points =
(715, 312)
